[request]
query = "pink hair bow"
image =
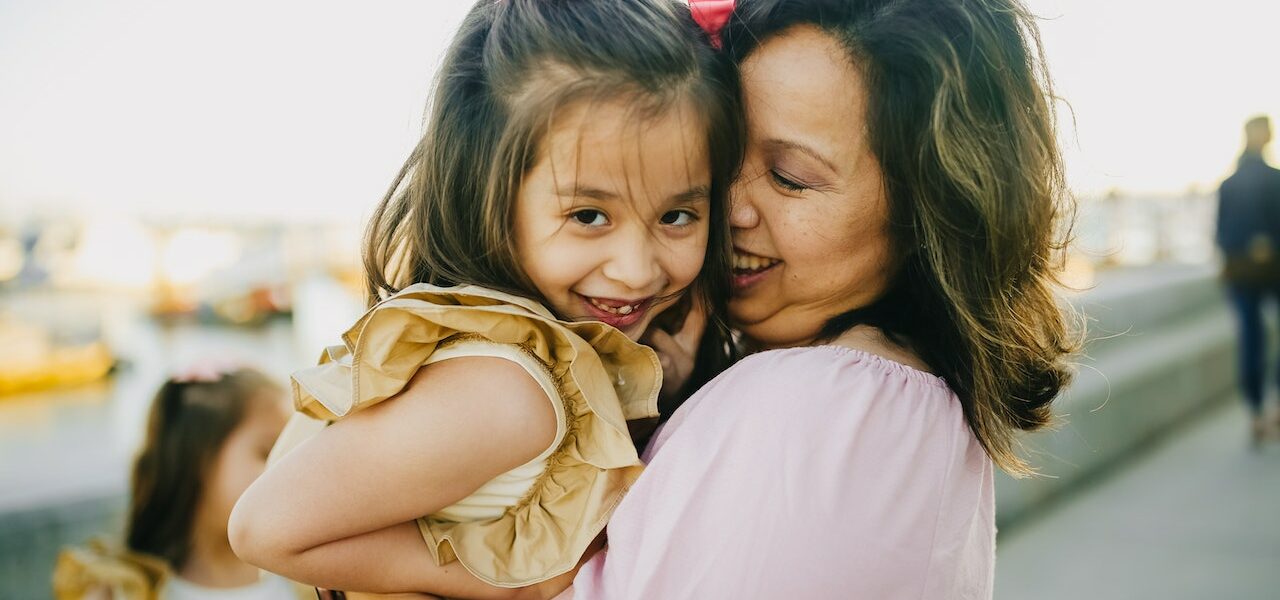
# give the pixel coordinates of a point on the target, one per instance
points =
(208, 371)
(712, 16)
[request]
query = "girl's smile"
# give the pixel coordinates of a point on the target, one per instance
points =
(618, 313)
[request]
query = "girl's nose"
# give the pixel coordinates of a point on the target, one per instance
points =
(635, 263)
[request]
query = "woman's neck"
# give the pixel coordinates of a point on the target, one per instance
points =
(213, 564)
(864, 338)
(873, 341)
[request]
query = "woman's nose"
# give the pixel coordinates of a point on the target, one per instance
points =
(742, 212)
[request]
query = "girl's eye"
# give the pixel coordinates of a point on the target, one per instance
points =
(785, 183)
(590, 218)
(679, 218)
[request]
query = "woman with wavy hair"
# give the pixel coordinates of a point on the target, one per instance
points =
(897, 224)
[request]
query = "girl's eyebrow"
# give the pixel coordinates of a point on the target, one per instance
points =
(576, 191)
(693, 194)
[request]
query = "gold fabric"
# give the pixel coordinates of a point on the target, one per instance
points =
(127, 575)
(604, 380)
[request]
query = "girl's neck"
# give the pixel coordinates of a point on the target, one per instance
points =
(213, 564)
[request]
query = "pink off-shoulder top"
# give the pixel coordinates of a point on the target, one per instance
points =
(820, 472)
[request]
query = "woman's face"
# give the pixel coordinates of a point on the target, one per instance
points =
(810, 217)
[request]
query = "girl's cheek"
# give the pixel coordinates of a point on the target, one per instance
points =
(688, 264)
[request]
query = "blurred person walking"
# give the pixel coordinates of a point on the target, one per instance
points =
(1248, 233)
(208, 434)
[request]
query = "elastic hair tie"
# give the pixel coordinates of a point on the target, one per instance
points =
(712, 15)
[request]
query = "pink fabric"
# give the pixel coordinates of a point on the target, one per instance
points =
(712, 15)
(806, 473)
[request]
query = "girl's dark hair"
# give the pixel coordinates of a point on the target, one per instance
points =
(187, 426)
(960, 118)
(447, 219)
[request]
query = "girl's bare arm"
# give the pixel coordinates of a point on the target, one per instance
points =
(396, 559)
(457, 425)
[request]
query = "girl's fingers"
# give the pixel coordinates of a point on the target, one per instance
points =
(662, 342)
(671, 354)
(690, 333)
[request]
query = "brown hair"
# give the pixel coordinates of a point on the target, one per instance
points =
(447, 219)
(961, 121)
(187, 426)
(1257, 132)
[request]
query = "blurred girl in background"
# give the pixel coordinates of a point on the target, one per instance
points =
(208, 434)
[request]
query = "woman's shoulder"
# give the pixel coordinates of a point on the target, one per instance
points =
(834, 367)
(821, 390)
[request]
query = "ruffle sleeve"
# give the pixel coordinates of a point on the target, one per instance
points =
(603, 377)
(99, 564)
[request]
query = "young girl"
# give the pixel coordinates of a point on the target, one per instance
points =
(207, 437)
(568, 194)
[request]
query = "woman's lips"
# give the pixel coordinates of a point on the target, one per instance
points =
(617, 313)
(748, 269)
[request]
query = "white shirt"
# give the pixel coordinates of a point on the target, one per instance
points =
(270, 587)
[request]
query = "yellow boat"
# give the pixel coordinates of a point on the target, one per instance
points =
(30, 360)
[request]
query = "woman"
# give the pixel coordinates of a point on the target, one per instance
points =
(895, 227)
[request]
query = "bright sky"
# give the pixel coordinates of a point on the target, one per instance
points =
(284, 107)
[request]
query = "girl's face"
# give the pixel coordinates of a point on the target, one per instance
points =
(810, 218)
(241, 460)
(611, 222)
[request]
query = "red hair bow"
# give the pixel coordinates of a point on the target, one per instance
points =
(712, 16)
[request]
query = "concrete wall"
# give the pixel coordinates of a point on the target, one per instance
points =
(30, 541)
(1162, 347)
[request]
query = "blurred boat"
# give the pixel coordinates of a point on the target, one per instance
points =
(31, 360)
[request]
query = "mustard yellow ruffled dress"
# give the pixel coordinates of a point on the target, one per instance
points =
(533, 522)
(101, 565)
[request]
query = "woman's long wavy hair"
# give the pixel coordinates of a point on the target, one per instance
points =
(447, 219)
(961, 120)
(188, 424)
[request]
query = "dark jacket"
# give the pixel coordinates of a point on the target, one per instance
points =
(1249, 207)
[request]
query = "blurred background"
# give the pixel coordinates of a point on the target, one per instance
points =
(181, 180)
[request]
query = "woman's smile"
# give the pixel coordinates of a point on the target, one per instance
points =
(749, 268)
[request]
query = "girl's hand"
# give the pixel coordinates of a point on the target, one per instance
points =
(678, 352)
(363, 596)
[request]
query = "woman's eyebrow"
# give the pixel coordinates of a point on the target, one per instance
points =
(776, 144)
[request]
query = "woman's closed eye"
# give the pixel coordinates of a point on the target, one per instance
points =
(785, 182)
(590, 217)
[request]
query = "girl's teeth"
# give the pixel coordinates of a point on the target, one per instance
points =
(621, 310)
